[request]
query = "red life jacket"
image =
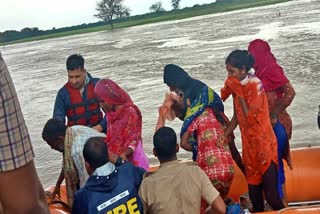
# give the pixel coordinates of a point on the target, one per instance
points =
(83, 110)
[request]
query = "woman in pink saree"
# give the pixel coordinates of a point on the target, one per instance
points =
(124, 123)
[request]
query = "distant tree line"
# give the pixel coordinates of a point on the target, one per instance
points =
(108, 11)
(13, 35)
(112, 12)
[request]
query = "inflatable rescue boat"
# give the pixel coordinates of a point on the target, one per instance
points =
(303, 189)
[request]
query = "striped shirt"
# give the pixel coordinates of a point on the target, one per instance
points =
(15, 145)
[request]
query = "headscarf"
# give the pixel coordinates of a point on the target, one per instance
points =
(177, 77)
(199, 94)
(266, 67)
(192, 88)
(111, 93)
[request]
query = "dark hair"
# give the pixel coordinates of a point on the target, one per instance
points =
(164, 142)
(95, 152)
(75, 61)
(53, 129)
(240, 58)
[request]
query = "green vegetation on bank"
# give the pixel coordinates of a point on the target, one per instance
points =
(33, 34)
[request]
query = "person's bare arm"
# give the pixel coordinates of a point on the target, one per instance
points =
(127, 154)
(184, 141)
(289, 94)
(236, 155)
(232, 125)
(130, 138)
(56, 190)
(218, 206)
(161, 118)
(22, 192)
(232, 146)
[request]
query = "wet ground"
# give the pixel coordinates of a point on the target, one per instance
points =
(134, 57)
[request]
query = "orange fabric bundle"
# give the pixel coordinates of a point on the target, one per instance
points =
(231, 86)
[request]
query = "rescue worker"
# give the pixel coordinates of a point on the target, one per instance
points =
(110, 188)
(76, 100)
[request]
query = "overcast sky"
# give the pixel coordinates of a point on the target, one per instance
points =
(45, 14)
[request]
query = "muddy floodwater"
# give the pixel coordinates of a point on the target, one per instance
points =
(134, 57)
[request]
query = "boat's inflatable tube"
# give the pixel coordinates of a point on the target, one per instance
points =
(302, 183)
(58, 206)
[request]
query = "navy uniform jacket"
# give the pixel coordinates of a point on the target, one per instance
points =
(112, 194)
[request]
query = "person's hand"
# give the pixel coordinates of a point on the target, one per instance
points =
(124, 157)
(55, 192)
(98, 128)
(222, 139)
(113, 157)
(289, 162)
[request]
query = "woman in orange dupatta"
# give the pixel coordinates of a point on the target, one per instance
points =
(124, 123)
(259, 144)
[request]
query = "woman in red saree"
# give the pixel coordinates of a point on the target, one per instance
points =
(259, 144)
(280, 94)
(124, 123)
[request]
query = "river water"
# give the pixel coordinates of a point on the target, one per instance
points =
(134, 57)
